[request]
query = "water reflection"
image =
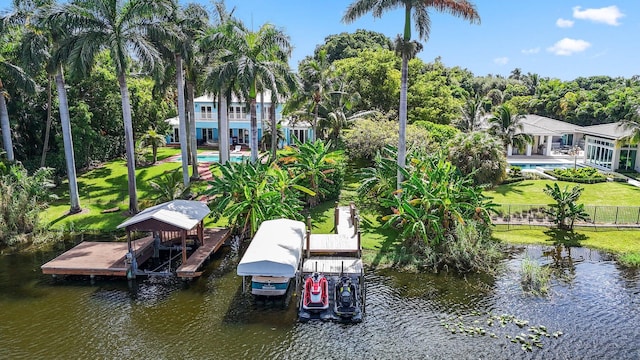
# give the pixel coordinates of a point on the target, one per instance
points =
(596, 309)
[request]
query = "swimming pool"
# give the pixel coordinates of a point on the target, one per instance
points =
(214, 158)
(542, 165)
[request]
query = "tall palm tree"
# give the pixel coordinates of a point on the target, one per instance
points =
(40, 45)
(631, 124)
(119, 27)
(19, 78)
(255, 60)
(419, 10)
(509, 129)
(225, 25)
(318, 75)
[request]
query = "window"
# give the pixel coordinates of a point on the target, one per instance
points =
(300, 134)
(176, 135)
(236, 112)
(206, 112)
(600, 153)
(207, 134)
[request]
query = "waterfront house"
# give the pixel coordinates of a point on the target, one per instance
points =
(206, 116)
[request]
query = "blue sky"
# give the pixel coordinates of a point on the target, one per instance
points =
(555, 38)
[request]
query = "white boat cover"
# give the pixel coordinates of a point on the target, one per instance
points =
(275, 250)
(185, 214)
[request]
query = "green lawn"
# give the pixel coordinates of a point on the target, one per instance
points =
(531, 192)
(611, 240)
(105, 188)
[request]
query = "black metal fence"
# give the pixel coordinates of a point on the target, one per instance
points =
(522, 214)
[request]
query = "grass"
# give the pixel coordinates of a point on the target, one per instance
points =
(531, 192)
(534, 277)
(105, 188)
(624, 243)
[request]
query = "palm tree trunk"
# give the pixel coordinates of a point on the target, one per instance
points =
(402, 115)
(254, 132)
(274, 129)
(45, 146)
(192, 130)
(314, 129)
(128, 142)
(6, 128)
(65, 121)
(182, 120)
(223, 125)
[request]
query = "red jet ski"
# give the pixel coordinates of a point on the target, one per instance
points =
(315, 296)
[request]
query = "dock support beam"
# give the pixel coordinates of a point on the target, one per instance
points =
(308, 243)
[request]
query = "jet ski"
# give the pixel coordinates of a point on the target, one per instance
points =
(315, 295)
(346, 298)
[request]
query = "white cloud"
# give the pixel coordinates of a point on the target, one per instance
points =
(501, 60)
(564, 23)
(531, 51)
(608, 15)
(568, 47)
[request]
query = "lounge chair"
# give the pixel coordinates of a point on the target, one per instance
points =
(237, 149)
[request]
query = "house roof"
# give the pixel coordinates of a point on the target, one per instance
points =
(184, 214)
(174, 121)
(549, 124)
(609, 131)
(275, 250)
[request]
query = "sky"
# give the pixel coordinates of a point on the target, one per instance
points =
(553, 38)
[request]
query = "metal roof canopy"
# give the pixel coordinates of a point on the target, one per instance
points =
(176, 215)
(170, 216)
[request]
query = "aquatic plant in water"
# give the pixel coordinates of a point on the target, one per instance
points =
(473, 325)
(534, 277)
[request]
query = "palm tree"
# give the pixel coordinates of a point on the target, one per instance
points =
(509, 129)
(472, 111)
(225, 25)
(632, 125)
(318, 74)
(117, 26)
(190, 22)
(155, 140)
(419, 10)
(40, 45)
(21, 79)
(254, 60)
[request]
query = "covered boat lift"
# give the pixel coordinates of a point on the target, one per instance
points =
(275, 251)
(182, 217)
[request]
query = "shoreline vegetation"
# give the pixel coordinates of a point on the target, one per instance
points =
(100, 190)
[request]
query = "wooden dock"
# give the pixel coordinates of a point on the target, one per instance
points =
(212, 241)
(333, 265)
(98, 258)
(108, 258)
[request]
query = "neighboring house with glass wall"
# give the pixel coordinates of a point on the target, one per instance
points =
(206, 113)
(606, 150)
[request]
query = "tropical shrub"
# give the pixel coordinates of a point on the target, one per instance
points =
(250, 193)
(586, 175)
(438, 133)
(480, 156)
(432, 209)
(565, 211)
(317, 167)
(367, 137)
(22, 198)
(169, 186)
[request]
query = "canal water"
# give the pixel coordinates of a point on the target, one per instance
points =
(592, 311)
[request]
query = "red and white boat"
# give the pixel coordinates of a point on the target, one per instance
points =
(315, 295)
